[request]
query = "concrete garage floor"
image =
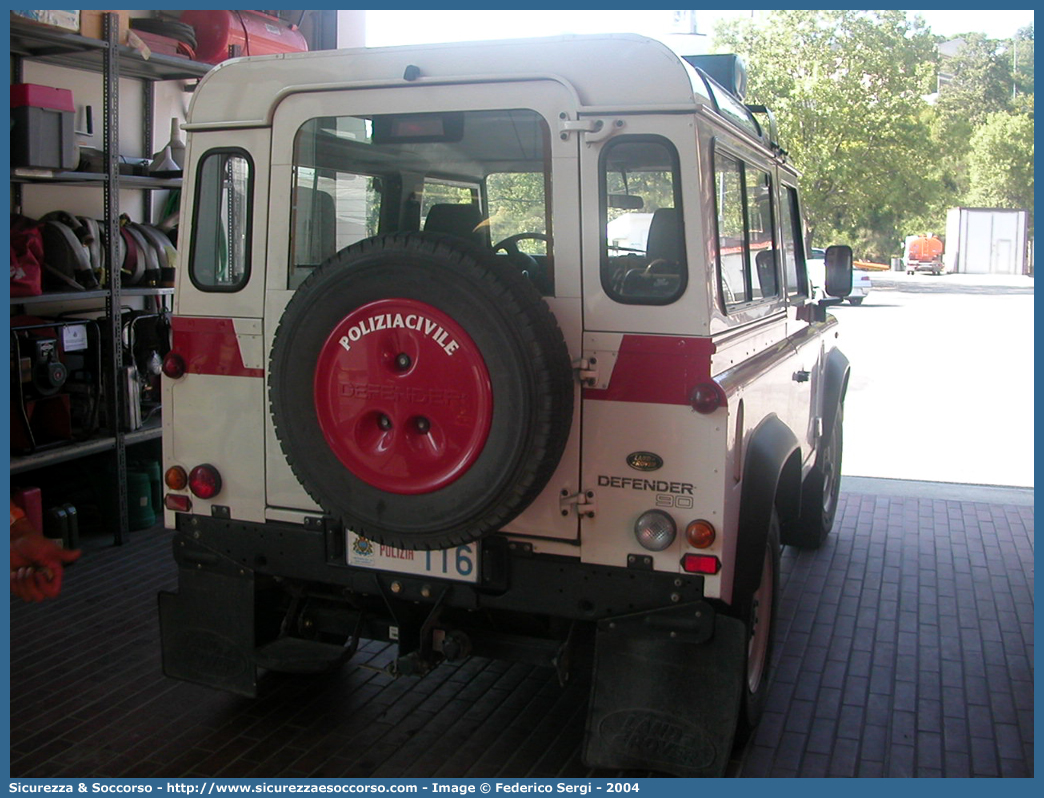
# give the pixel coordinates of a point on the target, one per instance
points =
(905, 648)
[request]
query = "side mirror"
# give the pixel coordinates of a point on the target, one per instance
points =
(838, 267)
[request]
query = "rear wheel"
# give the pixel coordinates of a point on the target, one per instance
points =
(856, 300)
(760, 619)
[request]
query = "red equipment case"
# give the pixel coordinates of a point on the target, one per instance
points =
(253, 32)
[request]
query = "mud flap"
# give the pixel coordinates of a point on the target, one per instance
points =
(207, 629)
(667, 692)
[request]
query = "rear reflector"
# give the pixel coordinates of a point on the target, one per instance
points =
(700, 564)
(178, 503)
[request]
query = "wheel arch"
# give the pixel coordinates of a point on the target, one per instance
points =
(835, 385)
(771, 477)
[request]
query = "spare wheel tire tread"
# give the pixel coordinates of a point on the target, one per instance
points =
(531, 352)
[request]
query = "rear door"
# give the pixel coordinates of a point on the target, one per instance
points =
(645, 342)
(334, 182)
(211, 414)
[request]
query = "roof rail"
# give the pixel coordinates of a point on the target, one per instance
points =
(773, 131)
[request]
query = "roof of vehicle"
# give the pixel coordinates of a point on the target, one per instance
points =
(604, 71)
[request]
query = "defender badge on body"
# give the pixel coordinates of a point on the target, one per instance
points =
(644, 461)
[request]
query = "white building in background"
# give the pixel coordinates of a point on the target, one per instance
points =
(986, 241)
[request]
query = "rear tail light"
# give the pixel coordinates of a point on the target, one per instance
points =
(174, 365)
(708, 397)
(204, 481)
(700, 564)
(700, 534)
(655, 530)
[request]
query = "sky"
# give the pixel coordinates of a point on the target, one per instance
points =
(414, 26)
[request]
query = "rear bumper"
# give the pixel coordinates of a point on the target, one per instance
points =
(242, 587)
(512, 577)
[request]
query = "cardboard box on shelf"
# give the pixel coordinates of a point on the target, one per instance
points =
(92, 25)
(70, 20)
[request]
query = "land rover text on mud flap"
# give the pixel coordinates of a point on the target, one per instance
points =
(501, 349)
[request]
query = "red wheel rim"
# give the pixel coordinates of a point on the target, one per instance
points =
(403, 396)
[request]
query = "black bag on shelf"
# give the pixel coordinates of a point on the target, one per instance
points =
(67, 256)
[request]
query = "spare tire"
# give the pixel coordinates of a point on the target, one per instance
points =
(421, 390)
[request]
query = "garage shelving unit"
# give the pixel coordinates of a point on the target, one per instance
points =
(112, 61)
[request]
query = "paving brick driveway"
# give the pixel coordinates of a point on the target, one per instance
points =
(905, 649)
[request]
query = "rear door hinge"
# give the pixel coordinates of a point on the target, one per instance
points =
(583, 502)
(592, 129)
(587, 369)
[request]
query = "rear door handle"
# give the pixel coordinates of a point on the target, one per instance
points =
(801, 376)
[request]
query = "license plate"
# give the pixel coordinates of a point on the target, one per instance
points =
(459, 563)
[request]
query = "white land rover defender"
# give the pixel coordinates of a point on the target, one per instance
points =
(502, 349)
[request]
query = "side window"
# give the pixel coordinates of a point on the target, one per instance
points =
(438, 192)
(220, 256)
(643, 251)
(791, 249)
(748, 260)
(760, 229)
(733, 255)
(517, 205)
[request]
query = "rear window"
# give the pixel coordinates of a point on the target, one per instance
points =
(477, 175)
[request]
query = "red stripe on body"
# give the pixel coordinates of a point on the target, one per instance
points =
(209, 346)
(657, 369)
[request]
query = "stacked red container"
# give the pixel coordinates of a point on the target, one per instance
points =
(42, 127)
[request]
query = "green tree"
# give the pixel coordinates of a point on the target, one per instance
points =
(980, 81)
(1000, 164)
(847, 90)
(1022, 66)
(975, 82)
(984, 81)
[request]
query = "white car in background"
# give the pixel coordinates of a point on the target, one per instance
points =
(860, 279)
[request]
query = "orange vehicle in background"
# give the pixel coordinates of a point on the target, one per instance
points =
(924, 253)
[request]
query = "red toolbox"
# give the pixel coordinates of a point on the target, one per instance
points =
(42, 127)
